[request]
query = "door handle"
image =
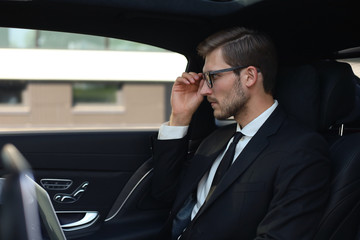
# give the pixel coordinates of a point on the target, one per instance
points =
(71, 221)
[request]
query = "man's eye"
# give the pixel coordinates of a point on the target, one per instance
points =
(214, 76)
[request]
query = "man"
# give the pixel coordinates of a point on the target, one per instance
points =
(278, 181)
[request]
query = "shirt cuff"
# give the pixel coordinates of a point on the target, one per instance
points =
(167, 132)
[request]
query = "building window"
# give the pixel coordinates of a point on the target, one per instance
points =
(97, 97)
(12, 92)
(96, 93)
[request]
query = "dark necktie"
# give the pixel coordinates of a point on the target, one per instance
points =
(183, 217)
(226, 161)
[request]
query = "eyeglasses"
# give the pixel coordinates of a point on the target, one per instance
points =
(208, 76)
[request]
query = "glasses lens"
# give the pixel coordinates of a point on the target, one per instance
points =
(208, 79)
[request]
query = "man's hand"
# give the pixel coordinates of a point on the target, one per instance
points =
(185, 98)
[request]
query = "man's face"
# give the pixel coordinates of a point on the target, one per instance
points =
(227, 97)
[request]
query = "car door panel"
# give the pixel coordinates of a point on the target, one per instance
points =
(127, 212)
(103, 163)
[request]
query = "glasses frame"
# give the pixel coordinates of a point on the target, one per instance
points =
(208, 76)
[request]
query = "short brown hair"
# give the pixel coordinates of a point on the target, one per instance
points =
(245, 47)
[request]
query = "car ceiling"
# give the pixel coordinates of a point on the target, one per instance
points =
(301, 29)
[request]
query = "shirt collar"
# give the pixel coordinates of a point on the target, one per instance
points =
(251, 128)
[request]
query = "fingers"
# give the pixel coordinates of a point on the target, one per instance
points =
(201, 84)
(189, 78)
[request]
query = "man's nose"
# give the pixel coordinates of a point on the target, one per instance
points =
(205, 90)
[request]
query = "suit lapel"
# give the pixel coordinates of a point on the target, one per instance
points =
(249, 154)
(202, 161)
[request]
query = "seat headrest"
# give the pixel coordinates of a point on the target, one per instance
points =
(318, 95)
(337, 92)
(297, 91)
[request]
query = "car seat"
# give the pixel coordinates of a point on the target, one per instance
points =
(322, 96)
(342, 215)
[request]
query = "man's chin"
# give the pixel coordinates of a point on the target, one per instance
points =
(220, 116)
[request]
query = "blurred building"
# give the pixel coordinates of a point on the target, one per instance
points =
(51, 80)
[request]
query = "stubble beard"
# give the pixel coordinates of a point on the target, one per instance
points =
(234, 104)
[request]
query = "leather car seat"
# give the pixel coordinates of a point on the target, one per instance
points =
(342, 215)
(322, 96)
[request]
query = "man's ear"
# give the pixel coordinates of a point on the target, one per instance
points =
(251, 76)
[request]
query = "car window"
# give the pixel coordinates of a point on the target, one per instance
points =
(55, 80)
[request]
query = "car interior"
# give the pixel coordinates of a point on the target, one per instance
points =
(99, 181)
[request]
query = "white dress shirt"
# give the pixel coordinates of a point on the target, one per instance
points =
(167, 132)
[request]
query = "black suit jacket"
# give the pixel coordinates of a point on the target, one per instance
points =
(276, 189)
